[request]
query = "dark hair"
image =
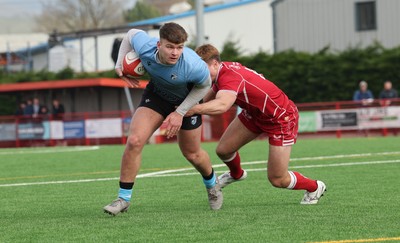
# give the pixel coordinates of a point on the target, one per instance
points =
(173, 32)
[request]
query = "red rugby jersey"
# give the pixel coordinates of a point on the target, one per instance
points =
(257, 95)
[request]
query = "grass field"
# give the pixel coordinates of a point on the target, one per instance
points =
(57, 195)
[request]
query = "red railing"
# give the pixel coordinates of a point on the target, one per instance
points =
(341, 105)
(94, 128)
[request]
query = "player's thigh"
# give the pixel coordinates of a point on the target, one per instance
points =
(190, 140)
(234, 137)
(278, 160)
(143, 124)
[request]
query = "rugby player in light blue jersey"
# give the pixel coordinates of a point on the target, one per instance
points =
(179, 80)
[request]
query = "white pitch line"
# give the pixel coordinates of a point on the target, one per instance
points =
(59, 182)
(297, 167)
(341, 156)
(48, 151)
(164, 173)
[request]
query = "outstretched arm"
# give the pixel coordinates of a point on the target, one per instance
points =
(223, 101)
(195, 95)
(174, 120)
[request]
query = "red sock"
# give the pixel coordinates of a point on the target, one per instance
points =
(234, 166)
(300, 182)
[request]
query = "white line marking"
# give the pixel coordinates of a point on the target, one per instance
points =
(48, 151)
(59, 182)
(341, 156)
(298, 167)
(165, 172)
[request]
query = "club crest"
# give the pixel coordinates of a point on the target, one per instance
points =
(193, 120)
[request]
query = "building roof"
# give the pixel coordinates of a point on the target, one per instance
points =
(65, 84)
(212, 8)
(19, 41)
(143, 24)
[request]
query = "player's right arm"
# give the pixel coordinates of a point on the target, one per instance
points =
(125, 47)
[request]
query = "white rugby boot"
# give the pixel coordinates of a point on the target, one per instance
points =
(226, 178)
(313, 197)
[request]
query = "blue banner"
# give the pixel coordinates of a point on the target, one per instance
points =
(74, 129)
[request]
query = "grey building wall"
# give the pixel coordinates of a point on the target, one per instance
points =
(40, 61)
(310, 25)
(102, 99)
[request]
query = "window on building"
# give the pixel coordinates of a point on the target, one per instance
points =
(365, 16)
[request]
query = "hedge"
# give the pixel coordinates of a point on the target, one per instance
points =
(323, 76)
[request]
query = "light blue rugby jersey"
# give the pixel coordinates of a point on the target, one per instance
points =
(171, 82)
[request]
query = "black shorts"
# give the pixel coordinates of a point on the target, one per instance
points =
(164, 108)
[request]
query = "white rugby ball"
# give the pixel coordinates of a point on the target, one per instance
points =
(132, 66)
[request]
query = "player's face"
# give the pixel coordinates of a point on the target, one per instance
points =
(169, 53)
(213, 66)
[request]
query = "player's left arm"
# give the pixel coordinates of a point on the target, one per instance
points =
(224, 100)
(195, 95)
(174, 120)
(201, 80)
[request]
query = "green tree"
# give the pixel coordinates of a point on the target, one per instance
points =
(141, 11)
(230, 51)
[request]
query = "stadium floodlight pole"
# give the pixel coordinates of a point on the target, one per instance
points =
(199, 22)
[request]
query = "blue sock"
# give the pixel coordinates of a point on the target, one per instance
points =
(125, 194)
(210, 182)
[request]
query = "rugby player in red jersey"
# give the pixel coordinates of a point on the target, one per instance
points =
(265, 109)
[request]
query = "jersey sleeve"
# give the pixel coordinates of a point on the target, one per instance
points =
(230, 77)
(200, 74)
(195, 68)
(204, 78)
(139, 40)
(229, 82)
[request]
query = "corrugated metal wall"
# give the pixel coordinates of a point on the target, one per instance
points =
(310, 25)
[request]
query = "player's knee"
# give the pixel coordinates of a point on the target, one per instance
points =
(134, 142)
(222, 151)
(276, 181)
(191, 156)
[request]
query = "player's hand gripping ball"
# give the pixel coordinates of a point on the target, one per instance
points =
(132, 66)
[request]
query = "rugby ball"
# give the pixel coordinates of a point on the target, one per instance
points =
(132, 66)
